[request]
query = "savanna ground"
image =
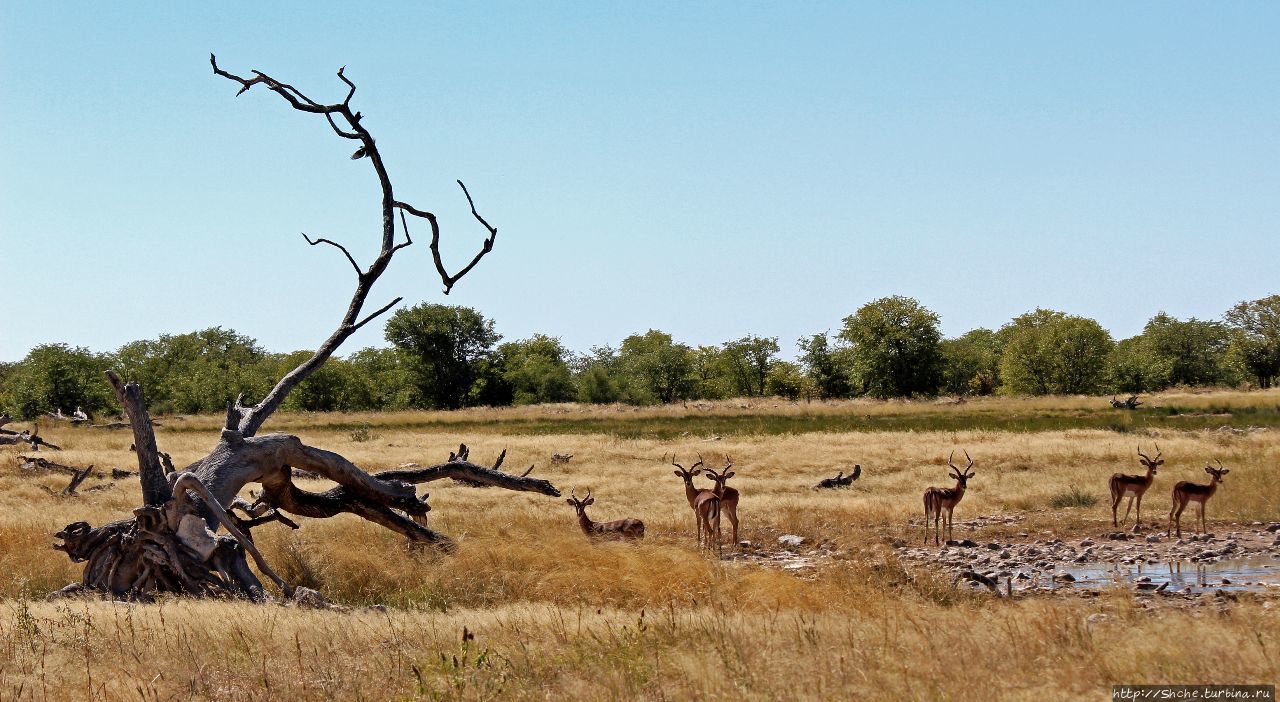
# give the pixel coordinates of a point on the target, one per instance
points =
(554, 616)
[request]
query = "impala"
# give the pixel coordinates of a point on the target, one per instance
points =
(1134, 486)
(1186, 492)
(618, 529)
(704, 503)
(937, 499)
(728, 496)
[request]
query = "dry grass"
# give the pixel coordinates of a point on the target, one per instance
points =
(560, 617)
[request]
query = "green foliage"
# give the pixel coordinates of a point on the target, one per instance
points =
(1255, 338)
(653, 368)
(824, 366)
(56, 377)
(1128, 367)
(381, 379)
(198, 371)
(971, 363)
(1047, 352)
(537, 371)
(447, 347)
(788, 380)
(1191, 352)
(709, 381)
(894, 348)
(746, 363)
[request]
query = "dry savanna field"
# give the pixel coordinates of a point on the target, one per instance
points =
(550, 615)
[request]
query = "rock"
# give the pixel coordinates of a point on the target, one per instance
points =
(1274, 527)
(1085, 543)
(897, 543)
(1146, 586)
(993, 546)
(792, 541)
(1022, 576)
(1144, 579)
(1096, 618)
(1065, 577)
(1006, 555)
(1153, 538)
(1031, 551)
(382, 609)
(307, 598)
(1226, 581)
(968, 543)
(1137, 529)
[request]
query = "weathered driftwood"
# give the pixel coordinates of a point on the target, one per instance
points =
(77, 477)
(170, 545)
(840, 480)
(31, 437)
(1129, 403)
(36, 464)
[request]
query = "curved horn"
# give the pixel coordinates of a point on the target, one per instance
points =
(1140, 453)
(951, 458)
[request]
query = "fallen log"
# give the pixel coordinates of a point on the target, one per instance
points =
(840, 480)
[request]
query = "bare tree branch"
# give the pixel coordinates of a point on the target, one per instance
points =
(346, 124)
(450, 280)
(340, 247)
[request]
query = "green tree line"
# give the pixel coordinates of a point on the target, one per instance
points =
(447, 357)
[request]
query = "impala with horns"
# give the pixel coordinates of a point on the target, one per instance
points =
(704, 503)
(939, 500)
(728, 496)
(618, 529)
(1186, 492)
(1133, 486)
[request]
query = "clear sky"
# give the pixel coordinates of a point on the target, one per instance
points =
(708, 169)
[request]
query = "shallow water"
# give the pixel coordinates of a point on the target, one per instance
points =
(1250, 573)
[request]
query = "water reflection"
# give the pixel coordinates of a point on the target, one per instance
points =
(1180, 576)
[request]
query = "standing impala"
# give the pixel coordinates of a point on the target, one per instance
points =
(937, 500)
(619, 529)
(1186, 492)
(728, 496)
(704, 503)
(1133, 486)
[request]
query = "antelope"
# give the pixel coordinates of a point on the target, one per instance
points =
(619, 529)
(1133, 486)
(704, 503)
(937, 499)
(1186, 492)
(728, 496)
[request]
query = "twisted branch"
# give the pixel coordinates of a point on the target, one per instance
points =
(346, 123)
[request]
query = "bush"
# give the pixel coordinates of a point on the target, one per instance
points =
(1073, 498)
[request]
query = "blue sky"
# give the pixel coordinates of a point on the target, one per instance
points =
(709, 169)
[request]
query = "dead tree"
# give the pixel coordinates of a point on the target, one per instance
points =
(840, 480)
(30, 437)
(1129, 403)
(170, 545)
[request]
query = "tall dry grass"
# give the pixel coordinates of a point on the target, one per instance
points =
(560, 615)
